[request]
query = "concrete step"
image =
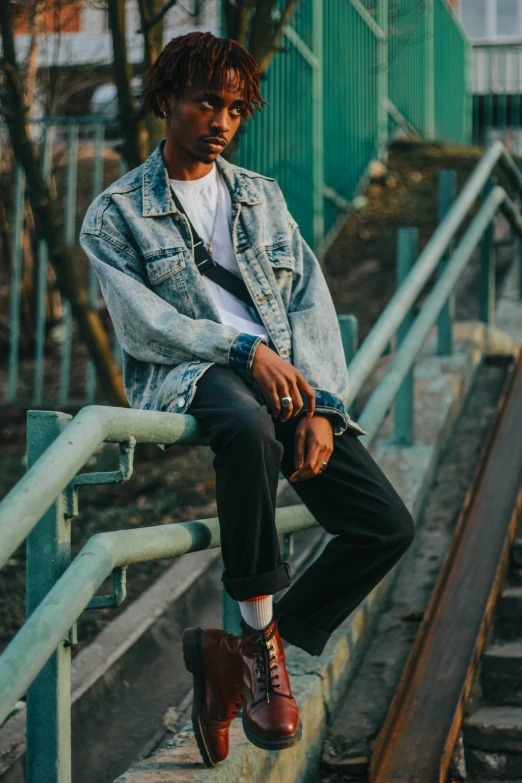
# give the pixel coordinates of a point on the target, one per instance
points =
(493, 743)
(508, 624)
(501, 674)
(496, 729)
(486, 767)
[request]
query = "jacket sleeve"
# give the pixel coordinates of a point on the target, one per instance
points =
(316, 332)
(151, 329)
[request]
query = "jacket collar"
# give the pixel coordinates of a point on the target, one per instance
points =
(157, 195)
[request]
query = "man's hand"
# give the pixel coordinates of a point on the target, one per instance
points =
(277, 379)
(313, 445)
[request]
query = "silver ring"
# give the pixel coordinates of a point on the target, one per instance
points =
(324, 465)
(286, 401)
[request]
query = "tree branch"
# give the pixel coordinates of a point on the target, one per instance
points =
(150, 23)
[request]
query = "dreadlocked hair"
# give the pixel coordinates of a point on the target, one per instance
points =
(203, 56)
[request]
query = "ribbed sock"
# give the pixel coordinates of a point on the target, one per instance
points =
(257, 612)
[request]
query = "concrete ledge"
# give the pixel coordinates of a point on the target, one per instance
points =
(441, 385)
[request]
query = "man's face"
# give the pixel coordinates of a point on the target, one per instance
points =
(203, 121)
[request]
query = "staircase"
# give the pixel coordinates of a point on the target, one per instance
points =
(493, 732)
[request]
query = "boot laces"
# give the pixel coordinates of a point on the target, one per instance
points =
(265, 671)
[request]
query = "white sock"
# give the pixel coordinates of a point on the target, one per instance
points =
(257, 612)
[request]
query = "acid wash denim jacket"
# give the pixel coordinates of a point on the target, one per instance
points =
(165, 319)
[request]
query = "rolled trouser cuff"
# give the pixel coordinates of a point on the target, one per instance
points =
(310, 639)
(269, 583)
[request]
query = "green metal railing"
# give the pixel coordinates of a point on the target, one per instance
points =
(41, 506)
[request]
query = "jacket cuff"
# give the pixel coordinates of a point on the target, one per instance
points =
(241, 353)
(330, 405)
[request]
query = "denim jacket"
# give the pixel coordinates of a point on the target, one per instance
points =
(165, 319)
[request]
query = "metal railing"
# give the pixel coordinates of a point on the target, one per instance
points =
(40, 507)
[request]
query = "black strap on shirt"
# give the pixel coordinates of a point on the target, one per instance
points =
(207, 266)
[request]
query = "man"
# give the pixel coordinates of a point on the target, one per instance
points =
(255, 354)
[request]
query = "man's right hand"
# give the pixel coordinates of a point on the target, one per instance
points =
(278, 378)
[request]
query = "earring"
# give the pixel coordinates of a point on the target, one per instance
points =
(163, 113)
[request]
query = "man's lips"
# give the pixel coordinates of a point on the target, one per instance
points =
(214, 143)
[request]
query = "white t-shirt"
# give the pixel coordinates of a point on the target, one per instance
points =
(198, 198)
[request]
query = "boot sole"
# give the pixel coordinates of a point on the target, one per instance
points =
(272, 743)
(191, 644)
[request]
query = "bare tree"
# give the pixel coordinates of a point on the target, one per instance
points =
(48, 218)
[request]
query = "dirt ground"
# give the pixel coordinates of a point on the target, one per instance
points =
(179, 485)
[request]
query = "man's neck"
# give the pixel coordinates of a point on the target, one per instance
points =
(180, 165)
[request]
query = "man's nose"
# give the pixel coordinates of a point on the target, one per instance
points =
(220, 122)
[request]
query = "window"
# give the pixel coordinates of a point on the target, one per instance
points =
(473, 15)
(492, 19)
(508, 22)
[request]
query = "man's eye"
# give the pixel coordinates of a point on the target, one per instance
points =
(207, 101)
(238, 110)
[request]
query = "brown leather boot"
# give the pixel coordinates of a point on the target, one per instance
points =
(270, 716)
(213, 657)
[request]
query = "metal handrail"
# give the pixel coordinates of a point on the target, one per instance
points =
(405, 356)
(399, 305)
(54, 471)
(48, 625)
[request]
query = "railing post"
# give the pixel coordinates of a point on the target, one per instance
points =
(406, 255)
(16, 282)
(231, 615)
(48, 556)
(447, 193)
(349, 326)
(487, 267)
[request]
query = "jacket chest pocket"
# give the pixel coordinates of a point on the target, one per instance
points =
(281, 261)
(280, 256)
(164, 264)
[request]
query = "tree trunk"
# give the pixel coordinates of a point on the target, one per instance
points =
(153, 44)
(36, 24)
(134, 133)
(50, 227)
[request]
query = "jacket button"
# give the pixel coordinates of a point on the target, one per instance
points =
(181, 402)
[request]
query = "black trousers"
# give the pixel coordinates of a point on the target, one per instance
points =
(351, 499)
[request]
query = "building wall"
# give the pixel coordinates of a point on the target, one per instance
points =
(84, 38)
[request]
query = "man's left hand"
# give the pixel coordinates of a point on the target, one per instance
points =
(313, 445)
